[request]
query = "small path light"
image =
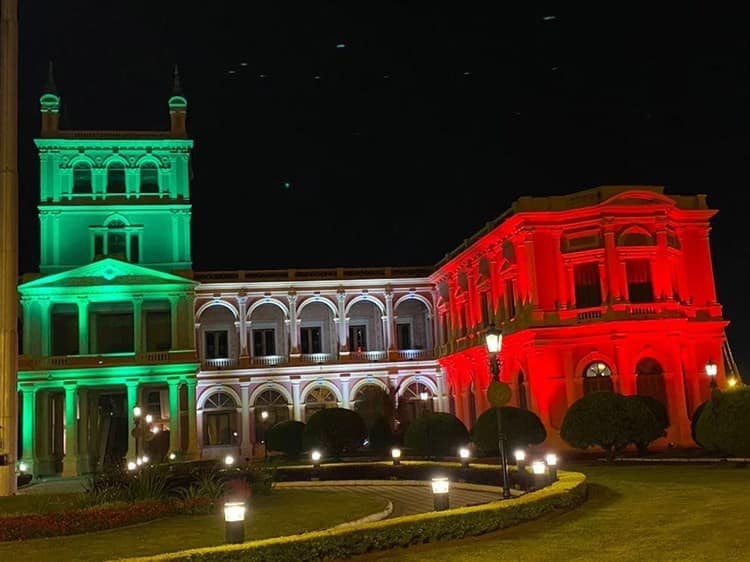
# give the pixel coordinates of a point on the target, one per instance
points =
(315, 456)
(539, 470)
(234, 520)
(464, 454)
(440, 493)
(132, 465)
(551, 460)
(144, 459)
(149, 418)
(396, 456)
(172, 456)
(228, 460)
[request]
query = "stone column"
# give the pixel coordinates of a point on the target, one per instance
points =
(246, 448)
(390, 321)
(70, 461)
(345, 392)
(138, 324)
(571, 285)
(83, 325)
(293, 328)
(44, 316)
(341, 323)
(174, 416)
(193, 452)
(42, 433)
(84, 432)
(443, 405)
(560, 273)
(28, 445)
(242, 301)
(174, 322)
(132, 390)
(613, 268)
(662, 274)
(296, 405)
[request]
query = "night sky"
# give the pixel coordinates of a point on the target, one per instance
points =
(384, 133)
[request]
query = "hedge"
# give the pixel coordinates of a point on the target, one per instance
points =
(568, 492)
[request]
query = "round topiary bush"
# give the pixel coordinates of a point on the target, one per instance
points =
(436, 434)
(694, 423)
(286, 437)
(335, 431)
(380, 435)
(725, 423)
(606, 420)
(647, 428)
(521, 428)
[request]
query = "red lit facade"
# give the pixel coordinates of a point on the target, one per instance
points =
(606, 289)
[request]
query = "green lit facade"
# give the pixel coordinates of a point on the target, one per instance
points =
(107, 325)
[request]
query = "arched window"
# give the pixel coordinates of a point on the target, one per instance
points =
(220, 420)
(149, 178)
(597, 378)
(372, 402)
(116, 239)
(319, 398)
(523, 401)
(415, 400)
(270, 408)
(650, 379)
(116, 178)
(81, 178)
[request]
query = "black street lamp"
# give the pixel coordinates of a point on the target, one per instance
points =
(711, 371)
(494, 340)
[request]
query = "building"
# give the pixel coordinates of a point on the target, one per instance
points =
(609, 288)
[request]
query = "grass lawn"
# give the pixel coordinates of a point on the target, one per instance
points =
(639, 513)
(284, 512)
(37, 503)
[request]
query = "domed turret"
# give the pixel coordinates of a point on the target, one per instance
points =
(49, 105)
(177, 108)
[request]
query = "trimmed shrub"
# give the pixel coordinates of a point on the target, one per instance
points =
(725, 423)
(381, 436)
(334, 430)
(598, 419)
(375, 403)
(646, 428)
(694, 424)
(520, 427)
(436, 434)
(286, 437)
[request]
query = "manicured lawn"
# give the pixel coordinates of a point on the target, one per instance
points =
(284, 512)
(638, 513)
(37, 503)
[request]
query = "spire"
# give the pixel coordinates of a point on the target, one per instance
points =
(49, 85)
(176, 86)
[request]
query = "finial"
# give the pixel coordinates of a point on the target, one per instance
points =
(49, 86)
(176, 86)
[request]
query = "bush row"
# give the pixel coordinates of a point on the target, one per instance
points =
(568, 492)
(75, 521)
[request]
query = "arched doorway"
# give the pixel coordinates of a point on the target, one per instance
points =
(220, 420)
(270, 408)
(319, 398)
(597, 378)
(415, 400)
(372, 402)
(650, 380)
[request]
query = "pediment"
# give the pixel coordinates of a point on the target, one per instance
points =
(639, 197)
(108, 272)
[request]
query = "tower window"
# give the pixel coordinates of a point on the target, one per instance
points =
(588, 287)
(639, 280)
(116, 178)
(81, 178)
(149, 178)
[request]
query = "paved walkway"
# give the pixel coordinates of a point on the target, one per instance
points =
(54, 485)
(408, 500)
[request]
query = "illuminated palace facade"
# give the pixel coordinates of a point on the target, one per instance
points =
(607, 289)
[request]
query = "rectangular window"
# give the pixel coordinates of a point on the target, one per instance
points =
(588, 285)
(444, 326)
(264, 342)
(485, 305)
(134, 249)
(153, 403)
(403, 334)
(217, 344)
(116, 244)
(310, 341)
(98, 245)
(114, 332)
(639, 281)
(65, 333)
(158, 330)
(358, 337)
(510, 299)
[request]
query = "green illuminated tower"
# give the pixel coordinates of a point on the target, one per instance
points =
(108, 325)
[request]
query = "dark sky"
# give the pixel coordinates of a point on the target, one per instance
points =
(428, 122)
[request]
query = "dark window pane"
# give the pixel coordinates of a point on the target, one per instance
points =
(116, 178)
(149, 178)
(81, 179)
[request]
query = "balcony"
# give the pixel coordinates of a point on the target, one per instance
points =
(413, 355)
(220, 364)
(358, 356)
(268, 360)
(317, 358)
(26, 363)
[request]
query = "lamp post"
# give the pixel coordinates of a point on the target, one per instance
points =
(551, 460)
(465, 455)
(396, 456)
(263, 424)
(494, 341)
(711, 370)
